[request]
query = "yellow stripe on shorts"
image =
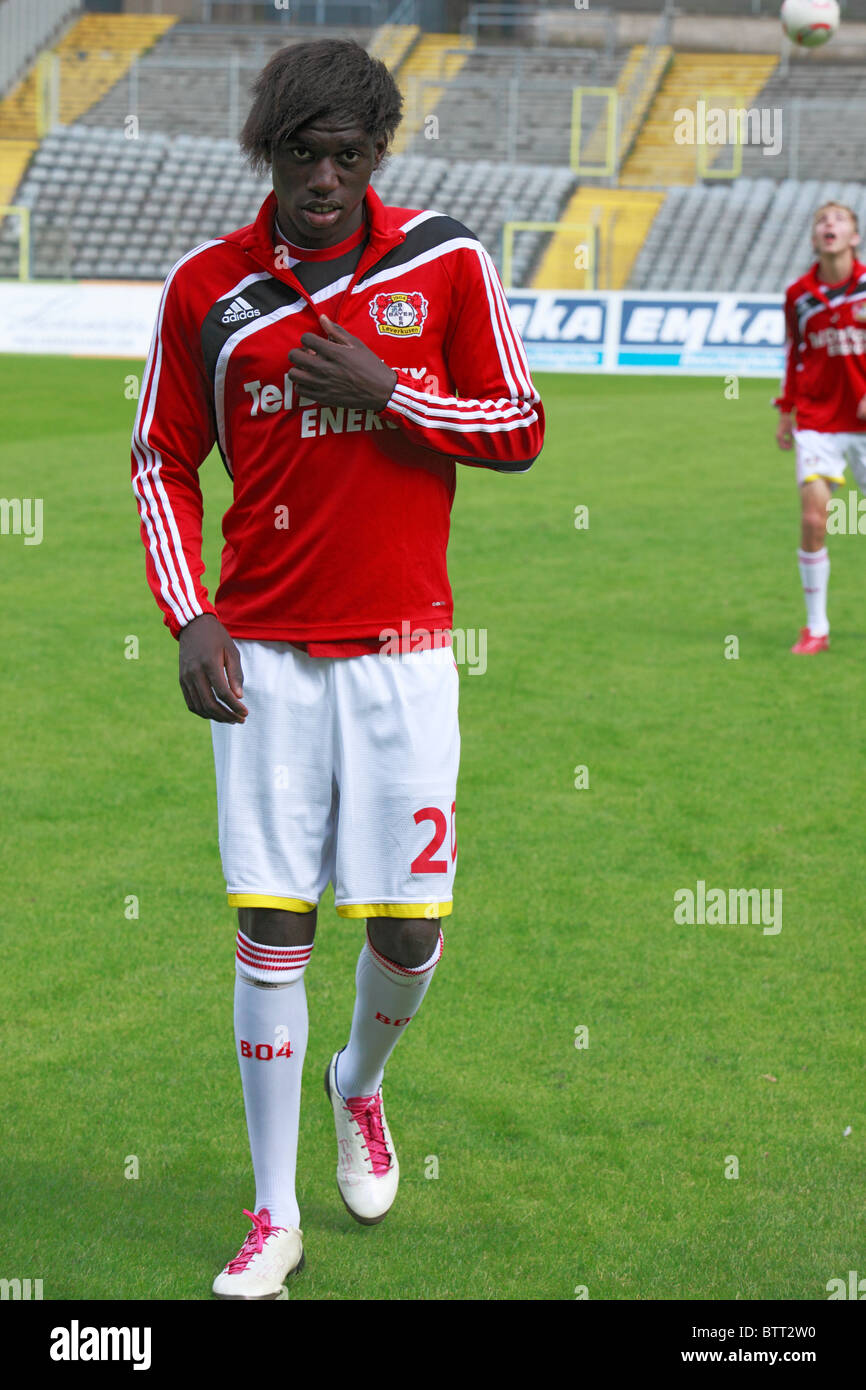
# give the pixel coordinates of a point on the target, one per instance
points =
(264, 900)
(428, 910)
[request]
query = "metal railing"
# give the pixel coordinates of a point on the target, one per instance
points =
(209, 96)
(516, 20)
(508, 134)
(406, 12)
(518, 116)
(804, 152)
(636, 91)
(363, 13)
(587, 231)
(853, 10)
(22, 214)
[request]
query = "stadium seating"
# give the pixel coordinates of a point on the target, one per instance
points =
(728, 79)
(499, 151)
(637, 83)
(92, 56)
(751, 235)
(102, 205)
(25, 30)
(511, 104)
(514, 103)
(14, 157)
(821, 121)
(503, 103)
(197, 80)
(431, 66)
(391, 43)
(621, 216)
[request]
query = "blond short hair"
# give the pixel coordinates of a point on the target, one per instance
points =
(843, 207)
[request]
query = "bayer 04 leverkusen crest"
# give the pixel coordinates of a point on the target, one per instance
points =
(398, 313)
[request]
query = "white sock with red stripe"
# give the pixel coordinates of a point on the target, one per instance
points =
(387, 997)
(271, 1038)
(815, 576)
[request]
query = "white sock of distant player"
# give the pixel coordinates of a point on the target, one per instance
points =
(815, 576)
(271, 1038)
(388, 996)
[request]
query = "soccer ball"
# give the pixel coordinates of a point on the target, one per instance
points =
(810, 22)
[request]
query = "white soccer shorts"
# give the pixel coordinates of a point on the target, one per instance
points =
(345, 771)
(828, 455)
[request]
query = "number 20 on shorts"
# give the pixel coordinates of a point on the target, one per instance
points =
(426, 862)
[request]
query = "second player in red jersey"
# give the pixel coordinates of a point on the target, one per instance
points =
(822, 403)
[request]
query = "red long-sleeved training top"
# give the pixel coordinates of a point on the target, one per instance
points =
(825, 369)
(340, 518)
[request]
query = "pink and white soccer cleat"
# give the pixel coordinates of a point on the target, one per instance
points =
(367, 1169)
(808, 644)
(265, 1260)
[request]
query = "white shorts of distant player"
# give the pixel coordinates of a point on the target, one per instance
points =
(345, 771)
(828, 455)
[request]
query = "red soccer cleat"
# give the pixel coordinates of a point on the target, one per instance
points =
(808, 643)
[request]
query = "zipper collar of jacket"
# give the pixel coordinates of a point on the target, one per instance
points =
(259, 239)
(815, 280)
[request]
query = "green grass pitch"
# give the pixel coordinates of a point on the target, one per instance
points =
(559, 1167)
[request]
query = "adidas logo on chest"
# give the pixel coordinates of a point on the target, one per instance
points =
(239, 310)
